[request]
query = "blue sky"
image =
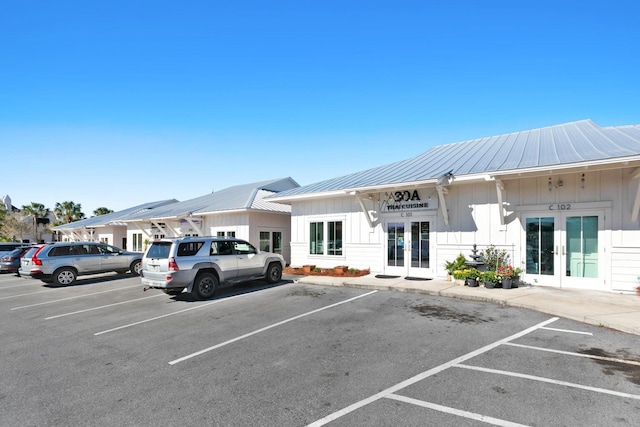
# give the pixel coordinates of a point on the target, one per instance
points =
(117, 103)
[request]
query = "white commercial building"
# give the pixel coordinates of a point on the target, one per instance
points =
(563, 201)
(241, 211)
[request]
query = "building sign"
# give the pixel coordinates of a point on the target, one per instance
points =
(408, 201)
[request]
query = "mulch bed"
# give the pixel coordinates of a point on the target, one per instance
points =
(325, 272)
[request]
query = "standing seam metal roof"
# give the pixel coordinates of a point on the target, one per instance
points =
(565, 144)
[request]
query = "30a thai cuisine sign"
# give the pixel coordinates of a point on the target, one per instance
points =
(409, 201)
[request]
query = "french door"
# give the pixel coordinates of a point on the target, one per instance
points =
(408, 248)
(564, 249)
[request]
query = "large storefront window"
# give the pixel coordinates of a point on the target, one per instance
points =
(333, 231)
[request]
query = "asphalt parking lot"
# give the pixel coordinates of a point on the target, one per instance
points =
(105, 353)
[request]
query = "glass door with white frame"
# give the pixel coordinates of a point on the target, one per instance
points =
(563, 249)
(408, 248)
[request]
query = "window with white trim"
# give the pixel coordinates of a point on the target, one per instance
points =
(333, 232)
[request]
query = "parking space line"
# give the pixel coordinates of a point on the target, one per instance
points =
(101, 307)
(73, 297)
(453, 411)
(17, 286)
(291, 319)
(550, 381)
(26, 295)
(427, 374)
(568, 331)
(171, 314)
(569, 353)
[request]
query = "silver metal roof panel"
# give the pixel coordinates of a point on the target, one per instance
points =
(553, 146)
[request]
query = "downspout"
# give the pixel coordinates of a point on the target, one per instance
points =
(636, 203)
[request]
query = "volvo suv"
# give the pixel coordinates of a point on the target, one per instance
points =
(63, 262)
(202, 264)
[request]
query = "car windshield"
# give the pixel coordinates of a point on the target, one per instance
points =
(159, 250)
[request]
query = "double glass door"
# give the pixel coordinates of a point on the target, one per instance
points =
(408, 248)
(564, 250)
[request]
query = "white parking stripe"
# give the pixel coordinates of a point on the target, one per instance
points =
(453, 411)
(172, 314)
(426, 374)
(74, 297)
(21, 285)
(206, 350)
(568, 331)
(549, 380)
(101, 307)
(26, 295)
(569, 353)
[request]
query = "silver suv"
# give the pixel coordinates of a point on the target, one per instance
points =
(202, 264)
(63, 262)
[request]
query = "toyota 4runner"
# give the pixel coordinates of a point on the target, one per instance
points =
(202, 264)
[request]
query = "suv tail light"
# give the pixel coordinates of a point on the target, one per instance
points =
(34, 259)
(173, 266)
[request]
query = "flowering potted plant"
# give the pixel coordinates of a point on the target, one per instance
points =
(505, 274)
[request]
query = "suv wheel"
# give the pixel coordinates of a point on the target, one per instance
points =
(64, 276)
(274, 273)
(205, 286)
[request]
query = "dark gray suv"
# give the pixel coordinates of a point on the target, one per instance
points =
(201, 264)
(63, 262)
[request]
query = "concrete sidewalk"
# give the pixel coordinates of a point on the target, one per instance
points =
(607, 309)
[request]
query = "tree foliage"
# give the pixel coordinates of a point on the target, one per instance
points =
(102, 211)
(67, 212)
(13, 227)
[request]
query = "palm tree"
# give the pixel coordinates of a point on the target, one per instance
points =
(68, 211)
(102, 211)
(36, 210)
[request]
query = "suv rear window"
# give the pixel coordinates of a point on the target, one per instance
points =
(189, 248)
(31, 251)
(61, 251)
(159, 250)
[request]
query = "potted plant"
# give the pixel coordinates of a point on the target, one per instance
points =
(308, 268)
(516, 276)
(505, 273)
(489, 278)
(458, 264)
(341, 269)
(473, 278)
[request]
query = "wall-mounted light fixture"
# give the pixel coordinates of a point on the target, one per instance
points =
(550, 184)
(559, 184)
(582, 181)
